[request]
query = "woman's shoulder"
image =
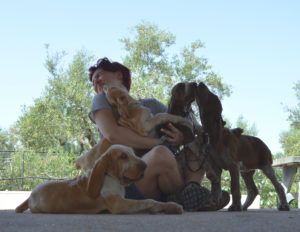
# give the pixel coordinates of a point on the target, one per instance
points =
(99, 96)
(154, 105)
(99, 102)
(99, 99)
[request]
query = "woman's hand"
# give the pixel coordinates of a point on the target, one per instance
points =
(174, 135)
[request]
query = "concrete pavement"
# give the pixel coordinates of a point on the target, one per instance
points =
(252, 220)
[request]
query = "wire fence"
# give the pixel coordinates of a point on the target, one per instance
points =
(23, 170)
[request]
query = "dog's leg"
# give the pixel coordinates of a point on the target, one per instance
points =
(162, 118)
(119, 205)
(269, 172)
(214, 175)
(251, 188)
(235, 189)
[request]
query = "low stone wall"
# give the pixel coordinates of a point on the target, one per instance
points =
(254, 205)
(11, 199)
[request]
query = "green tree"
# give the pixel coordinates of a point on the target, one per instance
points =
(7, 140)
(58, 119)
(155, 70)
(248, 129)
(36, 167)
(290, 140)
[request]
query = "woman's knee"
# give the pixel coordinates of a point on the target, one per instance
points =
(161, 155)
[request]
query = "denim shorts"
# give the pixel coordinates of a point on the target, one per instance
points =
(133, 193)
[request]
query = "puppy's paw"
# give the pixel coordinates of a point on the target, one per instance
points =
(284, 207)
(235, 208)
(172, 208)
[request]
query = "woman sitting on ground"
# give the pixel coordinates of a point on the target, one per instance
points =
(162, 176)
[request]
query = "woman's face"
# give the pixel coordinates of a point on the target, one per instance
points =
(102, 77)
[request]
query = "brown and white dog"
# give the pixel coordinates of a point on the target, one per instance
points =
(228, 149)
(102, 188)
(192, 157)
(130, 114)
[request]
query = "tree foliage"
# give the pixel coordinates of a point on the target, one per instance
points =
(8, 139)
(35, 167)
(290, 140)
(58, 119)
(155, 70)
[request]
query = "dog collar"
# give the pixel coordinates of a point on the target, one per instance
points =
(134, 103)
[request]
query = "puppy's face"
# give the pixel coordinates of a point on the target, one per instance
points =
(116, 95)
(183, 94)
(125, 165)
(119, 98)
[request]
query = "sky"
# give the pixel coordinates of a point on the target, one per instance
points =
(253, 45)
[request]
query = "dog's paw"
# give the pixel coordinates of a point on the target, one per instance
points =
(235, 208)
(172, 208)
(284, 207)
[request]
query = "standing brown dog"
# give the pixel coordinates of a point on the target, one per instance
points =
(230, 150)
(192, 156)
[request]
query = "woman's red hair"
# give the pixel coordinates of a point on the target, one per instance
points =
(106, 65)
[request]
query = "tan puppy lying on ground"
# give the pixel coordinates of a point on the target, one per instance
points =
(130, 114)
(102, 188)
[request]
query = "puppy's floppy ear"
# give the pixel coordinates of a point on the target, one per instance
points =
(123, 104)
(193, 85)
(96, 179)
(202, 91)
(192, 92)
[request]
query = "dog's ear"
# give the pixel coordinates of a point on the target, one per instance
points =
(193, 85)
(202, 91)
(193, 90)
(122, 100)
(202, 86)
(123, 104)
(96, 179)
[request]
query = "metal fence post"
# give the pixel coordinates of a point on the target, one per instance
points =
(22, 170)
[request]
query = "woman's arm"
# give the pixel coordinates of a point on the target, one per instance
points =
(116, 134)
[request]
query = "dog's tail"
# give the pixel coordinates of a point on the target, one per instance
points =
(21, 208)
(77, 164)
(237, 131)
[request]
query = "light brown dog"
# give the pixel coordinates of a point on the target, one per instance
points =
(136, 117)
(230, 150)
(102, 188)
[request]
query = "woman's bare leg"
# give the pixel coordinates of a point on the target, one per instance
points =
(162, 174)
